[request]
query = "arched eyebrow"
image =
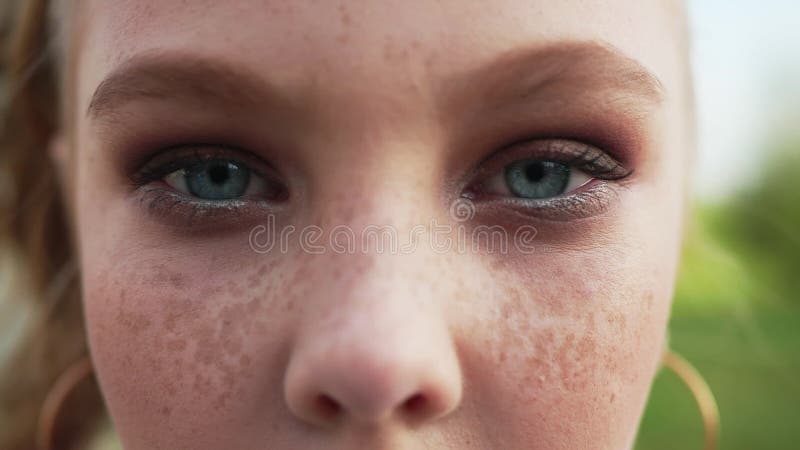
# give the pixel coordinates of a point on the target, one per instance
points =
(558, 72)
(185, 78)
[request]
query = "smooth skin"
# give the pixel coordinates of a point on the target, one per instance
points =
(375, 113)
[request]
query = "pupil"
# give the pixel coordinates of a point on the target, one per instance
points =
(218, 174)
(534, 172)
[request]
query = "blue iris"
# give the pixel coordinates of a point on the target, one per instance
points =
(217, 180)
(530, 178)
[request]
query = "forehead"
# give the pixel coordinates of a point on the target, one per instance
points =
(379, 40)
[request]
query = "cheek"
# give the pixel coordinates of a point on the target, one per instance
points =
(572, 358)
(178, 350)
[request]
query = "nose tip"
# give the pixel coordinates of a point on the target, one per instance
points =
(360, 383)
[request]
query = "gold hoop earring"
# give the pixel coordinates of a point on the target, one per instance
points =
(56, 396)
(701, 392)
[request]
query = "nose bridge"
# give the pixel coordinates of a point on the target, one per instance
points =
(379, 288)
(372, 292)
(374, 344)
(375, 350)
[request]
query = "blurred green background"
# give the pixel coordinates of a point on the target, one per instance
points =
(736, 317)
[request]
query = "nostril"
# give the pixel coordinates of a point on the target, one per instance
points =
(327, 406)
(415, 405)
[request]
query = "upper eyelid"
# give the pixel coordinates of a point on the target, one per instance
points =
(593, 167)
(170, 159)
(576, 154)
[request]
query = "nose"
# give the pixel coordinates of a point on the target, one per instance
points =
(373, 362)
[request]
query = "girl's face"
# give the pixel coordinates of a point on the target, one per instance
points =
(352, 224)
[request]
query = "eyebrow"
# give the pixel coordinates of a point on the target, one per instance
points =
(186, 78)
(558, 72)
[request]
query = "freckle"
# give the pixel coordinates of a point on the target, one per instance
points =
(207, 349)
(178, 280)
(211, 291)
(166, 411)
(342, 38)
(176, 345)
(261, 327)
(591, 325)
(548, 338)
(244, 361)
(201, 384)
(609, 363)
(506, 310)
(265, 269)
(563, 353)
(170, 322)
(232, 346)
(253, 281)
(586, 347)
(221, 401)
(301, 274)
(237, 292)
(133, 321)
(253, 305)
(344, 15)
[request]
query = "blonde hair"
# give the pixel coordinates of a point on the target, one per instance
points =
(42, 277)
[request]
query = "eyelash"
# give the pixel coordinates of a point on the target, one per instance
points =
(163, 201)
(590, 199)
(587, 200)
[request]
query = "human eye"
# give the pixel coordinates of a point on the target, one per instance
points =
(549, 179)
(208, 183)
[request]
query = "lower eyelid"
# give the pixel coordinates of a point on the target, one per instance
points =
(591, 199)
(177, 209)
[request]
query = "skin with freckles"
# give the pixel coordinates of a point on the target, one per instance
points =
(353, 114)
